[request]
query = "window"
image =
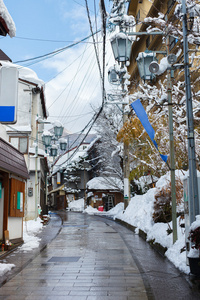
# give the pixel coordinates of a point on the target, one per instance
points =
(138, 17)
(21, 143)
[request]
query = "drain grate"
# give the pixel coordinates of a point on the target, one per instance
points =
(64, 259)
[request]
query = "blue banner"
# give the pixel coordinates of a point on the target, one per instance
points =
(141, 114)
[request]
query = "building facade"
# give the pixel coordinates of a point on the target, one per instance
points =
(24, 133)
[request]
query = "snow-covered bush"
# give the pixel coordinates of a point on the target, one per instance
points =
(163, 204)
(194, 237)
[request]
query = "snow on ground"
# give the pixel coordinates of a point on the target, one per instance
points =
(76, 205)
(31, 241)
(4, 268)
(139, 214)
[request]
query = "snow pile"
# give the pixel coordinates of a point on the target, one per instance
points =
(31, 241)
(91, 211)
(116, 210)
(76, 205)
(4, 268)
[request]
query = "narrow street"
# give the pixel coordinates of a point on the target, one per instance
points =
(93, 258)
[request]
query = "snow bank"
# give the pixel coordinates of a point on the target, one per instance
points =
(31, 229)
(76, 205)
(91, 211)
(4, 268)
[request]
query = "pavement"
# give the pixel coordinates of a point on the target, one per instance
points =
(89, 257)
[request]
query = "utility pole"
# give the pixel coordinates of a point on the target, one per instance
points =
(36, 172)
(171, 141)
(193, 185)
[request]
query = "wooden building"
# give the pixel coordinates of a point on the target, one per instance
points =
(13, 176)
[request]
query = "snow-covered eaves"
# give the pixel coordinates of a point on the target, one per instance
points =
(7, 25)
(20, 129)
(25, 73)
(105, 183)
(41, 152)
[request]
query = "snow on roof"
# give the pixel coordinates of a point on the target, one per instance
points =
(41, 152)
(104, 183)
(24, 73)
(4, 14)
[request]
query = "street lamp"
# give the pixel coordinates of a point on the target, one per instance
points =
(144, 60)
(63, 144)
(113, 76)
(46, 139)
(58, 129)
(121, 46)
(54, 150)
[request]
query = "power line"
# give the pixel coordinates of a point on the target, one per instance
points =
(50, 54)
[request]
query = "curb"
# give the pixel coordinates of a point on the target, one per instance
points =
(156, 246)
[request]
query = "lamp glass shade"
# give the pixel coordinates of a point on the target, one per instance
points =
(63, 144)
(121, 46)
(58, 131)
(46, 139)
(53, 151)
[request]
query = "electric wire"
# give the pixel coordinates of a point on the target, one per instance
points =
(77, 72)
(81, 87)
(102, 78)
(55, 52)
(66, 86)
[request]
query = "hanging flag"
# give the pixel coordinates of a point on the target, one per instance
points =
(141, 113)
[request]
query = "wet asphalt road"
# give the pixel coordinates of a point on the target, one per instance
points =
(89, 257)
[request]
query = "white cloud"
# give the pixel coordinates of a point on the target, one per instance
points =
(79, 85)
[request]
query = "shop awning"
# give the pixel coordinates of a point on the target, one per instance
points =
(60, 188)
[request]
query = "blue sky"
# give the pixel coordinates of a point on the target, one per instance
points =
(61, 23)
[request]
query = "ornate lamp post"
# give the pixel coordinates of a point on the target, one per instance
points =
(47, 138)
(121, 46)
